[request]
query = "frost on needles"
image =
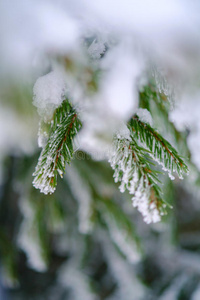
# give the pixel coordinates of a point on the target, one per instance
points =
(135, 170)
(58, 150)
(135, 174)
(159, 148)
(134, 155)
(132, 158)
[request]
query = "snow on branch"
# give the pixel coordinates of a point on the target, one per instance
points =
(135, 173)
(160, 149)
(58, 150)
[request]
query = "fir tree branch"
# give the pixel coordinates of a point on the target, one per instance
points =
(58, 150)
(160, 149)
(135, 172)
(159, 105)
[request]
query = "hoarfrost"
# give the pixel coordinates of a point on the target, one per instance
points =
(127, 173)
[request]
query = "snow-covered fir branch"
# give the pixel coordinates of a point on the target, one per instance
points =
(59, 148)
(134, 172)
(160, 149)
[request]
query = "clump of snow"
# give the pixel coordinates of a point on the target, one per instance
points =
(49, 92)
(96, 49)
(115, 102)
(119, 86)
(123, 132)
(144, 116)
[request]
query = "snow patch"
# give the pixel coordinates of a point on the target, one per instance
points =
(49, 92)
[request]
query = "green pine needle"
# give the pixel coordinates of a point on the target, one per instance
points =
(58, 150)
(133, 169)
(160, 149)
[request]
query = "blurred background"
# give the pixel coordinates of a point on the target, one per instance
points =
(87, 242)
